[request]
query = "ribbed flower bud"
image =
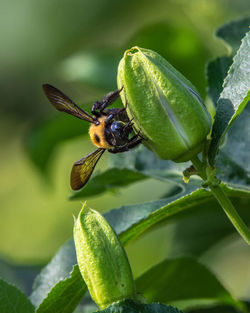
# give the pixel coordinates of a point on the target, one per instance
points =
(102, 260)
(164, 105)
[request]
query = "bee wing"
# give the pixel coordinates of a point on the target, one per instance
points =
(82, 169)
(63, 103)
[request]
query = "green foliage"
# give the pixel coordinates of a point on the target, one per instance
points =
(131, 221)
(216, 73)
(232, 161)
(59, 287)
(199, 223)
(13, 300)
(180, 208)
(233, 32)
(233, 98)
(183, 279)
(65, 295)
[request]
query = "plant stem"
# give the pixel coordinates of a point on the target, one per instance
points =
(200, 167)
(230, 211)
(222, 198)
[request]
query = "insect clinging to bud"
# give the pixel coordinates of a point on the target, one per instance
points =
(110, 129)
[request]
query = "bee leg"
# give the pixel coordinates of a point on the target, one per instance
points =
(132, 143)
(95, 108)
(109, 119)
(129, 124)
(119, 111)
(126, 148)
(106, 101)
(111, 113)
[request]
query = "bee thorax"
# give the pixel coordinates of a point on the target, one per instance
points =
(97, 134)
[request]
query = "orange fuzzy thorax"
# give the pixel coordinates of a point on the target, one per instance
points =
(97, 134)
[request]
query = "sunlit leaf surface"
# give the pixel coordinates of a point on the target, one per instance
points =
(234, 97)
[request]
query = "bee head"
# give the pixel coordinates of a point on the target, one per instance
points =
(120, 132)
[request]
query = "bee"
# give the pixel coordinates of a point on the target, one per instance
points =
(110, 129)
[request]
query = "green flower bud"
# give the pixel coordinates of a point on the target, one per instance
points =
(164, 105)
(102, 260)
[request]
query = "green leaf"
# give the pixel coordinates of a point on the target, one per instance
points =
(216, 72)
(169, 282)
(44, 138)
(65, 295)
(59, 287)
(233, 32)
(21, 276)
(135, 219)
(130, 167)
(144, 160)
(197, 215)
(232, 162)
(58, 271)
(130, 306)
(13, 300)
(234, 97)
(203, 226)
(231, 170)
(236, 150)
(109, 180)
(93, 68)
(201, 223)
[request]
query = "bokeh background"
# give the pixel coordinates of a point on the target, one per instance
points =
(76, 46)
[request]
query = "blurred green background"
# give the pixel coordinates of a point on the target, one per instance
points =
(76, 46)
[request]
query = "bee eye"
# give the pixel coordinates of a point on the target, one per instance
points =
(115, 126)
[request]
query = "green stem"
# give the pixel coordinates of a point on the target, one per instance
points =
(223, 200)
(200, 167)
(230, 211)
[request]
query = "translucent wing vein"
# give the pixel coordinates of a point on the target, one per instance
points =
(82, 169)
(63, 103)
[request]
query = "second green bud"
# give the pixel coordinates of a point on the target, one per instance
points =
(102, 260)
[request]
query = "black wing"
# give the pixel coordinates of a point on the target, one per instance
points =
(82, 169)
(63, 103)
